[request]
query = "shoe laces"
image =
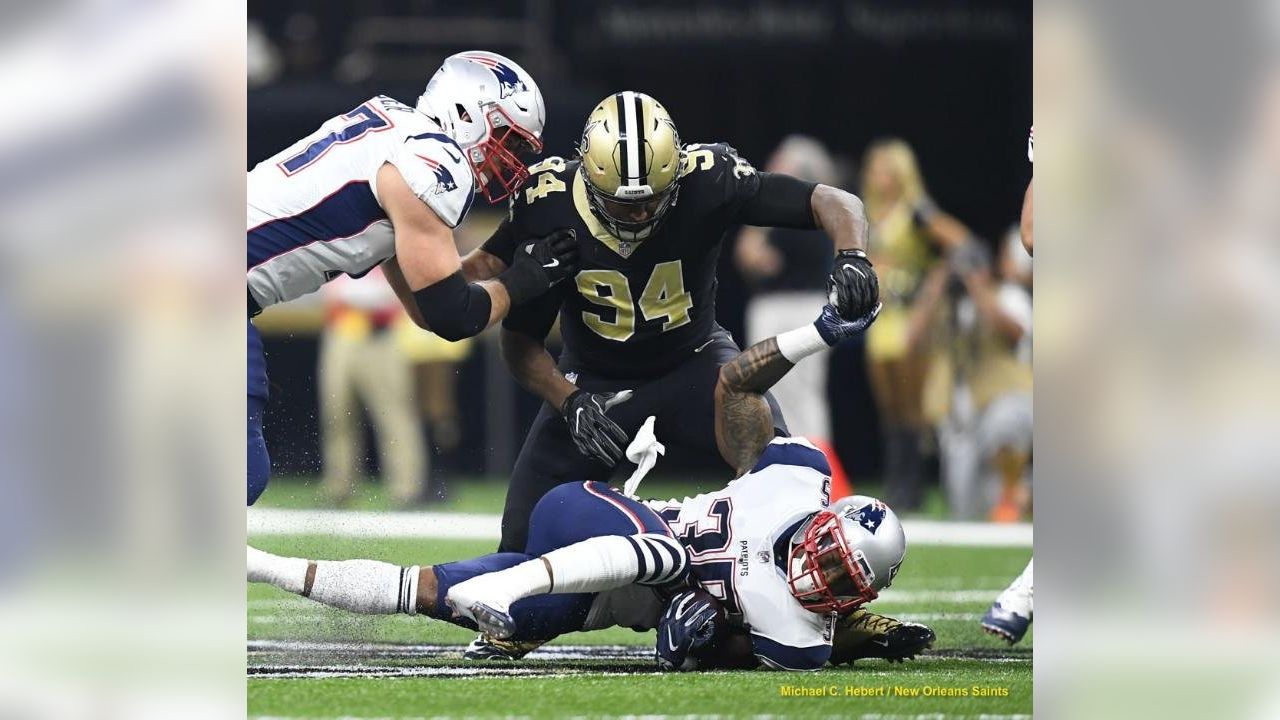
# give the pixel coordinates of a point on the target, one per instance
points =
(871, 622)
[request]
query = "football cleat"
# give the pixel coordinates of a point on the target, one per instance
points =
(493, 621)
(486, 647)
(484, 600)
(864, 634)
(1005, 623)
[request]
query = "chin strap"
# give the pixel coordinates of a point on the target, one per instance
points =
(643, 451)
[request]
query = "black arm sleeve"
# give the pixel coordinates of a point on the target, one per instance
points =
(502, 243)
(535, 317)
(453, 308)
(782, 201)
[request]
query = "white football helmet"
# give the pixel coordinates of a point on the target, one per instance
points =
(845, 555)
(493, 109)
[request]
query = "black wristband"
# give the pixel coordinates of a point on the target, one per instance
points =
(853, 252)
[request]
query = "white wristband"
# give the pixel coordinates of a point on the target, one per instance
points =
(796, 345)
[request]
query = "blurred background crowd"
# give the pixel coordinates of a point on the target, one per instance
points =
(922, 109)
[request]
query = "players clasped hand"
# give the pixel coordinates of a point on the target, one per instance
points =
(853, 287)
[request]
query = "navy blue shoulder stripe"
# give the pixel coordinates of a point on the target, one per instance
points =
(792, 454)
(436, 136)
(785, 657)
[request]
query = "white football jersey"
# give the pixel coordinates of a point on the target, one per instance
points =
(739, 541)
(313, 207)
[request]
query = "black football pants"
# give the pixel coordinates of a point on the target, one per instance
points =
(683, 401)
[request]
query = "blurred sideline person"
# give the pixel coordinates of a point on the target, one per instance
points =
(386, 184)
(597, 558)
(786, 268)
(907, 231)
(1011, 613)
(979, 388)
(361, 365)
(435, 364)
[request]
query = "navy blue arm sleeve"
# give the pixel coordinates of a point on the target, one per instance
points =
(453, 308)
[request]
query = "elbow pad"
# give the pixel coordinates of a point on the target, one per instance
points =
(782, 201)
(453, 308)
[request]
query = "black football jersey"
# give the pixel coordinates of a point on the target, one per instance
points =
(635, 310)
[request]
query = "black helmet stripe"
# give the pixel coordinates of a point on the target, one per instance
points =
(642, 172)
(632, 136)
(624, 132)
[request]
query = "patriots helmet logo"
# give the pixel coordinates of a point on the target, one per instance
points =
(509, 82)
(444, 179)
(868, 516)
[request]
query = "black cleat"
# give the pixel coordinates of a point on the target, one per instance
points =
(864, 634)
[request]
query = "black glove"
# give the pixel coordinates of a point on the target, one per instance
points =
(539, 264)
(853, 287)
(593, 432)
(688, 624)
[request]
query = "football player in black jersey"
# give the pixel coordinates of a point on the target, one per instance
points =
(649, 215)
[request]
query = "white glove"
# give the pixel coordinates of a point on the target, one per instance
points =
(643, 451)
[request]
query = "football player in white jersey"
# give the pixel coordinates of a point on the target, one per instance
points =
(386, 184)
(783, 567)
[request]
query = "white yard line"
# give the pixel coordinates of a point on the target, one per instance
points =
(368, 524)
(473, 526)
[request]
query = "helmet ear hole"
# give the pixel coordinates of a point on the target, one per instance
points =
(462, 112)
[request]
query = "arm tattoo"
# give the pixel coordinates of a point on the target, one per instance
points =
(744, 424)
(757, 368)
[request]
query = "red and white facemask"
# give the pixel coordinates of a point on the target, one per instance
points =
(826, 574)
(496, 160)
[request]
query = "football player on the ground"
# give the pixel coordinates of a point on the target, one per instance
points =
(650, 215)
(386, 184)
(775, 573)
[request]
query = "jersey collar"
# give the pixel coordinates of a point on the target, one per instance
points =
(598, 231)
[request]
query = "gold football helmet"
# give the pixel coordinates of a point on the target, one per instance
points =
(631, 164)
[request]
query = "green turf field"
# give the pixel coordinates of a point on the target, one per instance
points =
(306, 660)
